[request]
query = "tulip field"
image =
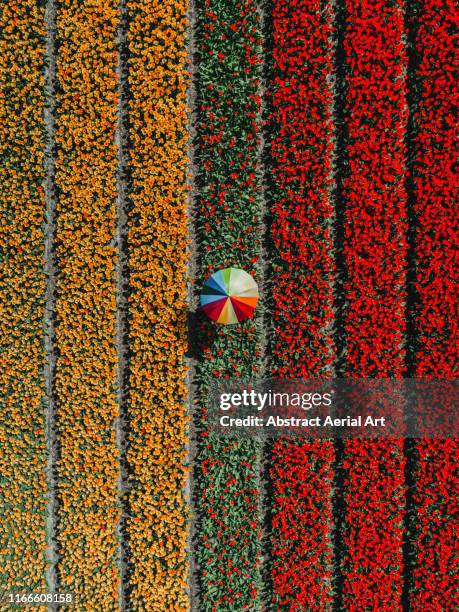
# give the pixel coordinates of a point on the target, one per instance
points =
(146, 144)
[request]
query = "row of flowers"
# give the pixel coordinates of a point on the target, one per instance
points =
(228, 223)
(156, 515)
(301, 270)
(436, 491)
(85, 381)
(22, 287)
(375, 260)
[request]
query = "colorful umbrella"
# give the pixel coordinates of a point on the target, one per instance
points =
(229, 296)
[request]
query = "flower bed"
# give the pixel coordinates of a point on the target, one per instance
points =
(85, 385)
(374, 253)
(437, 485)
(156, 522)
(229, 234)
(307, 146)
(301, 271)
(22, 287)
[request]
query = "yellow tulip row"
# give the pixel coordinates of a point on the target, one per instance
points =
(156, 452)
(22, 289)
(85, 384)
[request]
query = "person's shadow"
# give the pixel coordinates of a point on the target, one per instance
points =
(201, 332)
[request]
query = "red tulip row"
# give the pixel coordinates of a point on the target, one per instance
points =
(229, 232)
(375, 253)
(435, 183)
(22, 290)
(301, 271)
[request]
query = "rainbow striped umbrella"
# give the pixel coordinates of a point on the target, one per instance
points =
(229, 296)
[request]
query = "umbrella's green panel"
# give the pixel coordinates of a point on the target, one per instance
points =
(226, 276)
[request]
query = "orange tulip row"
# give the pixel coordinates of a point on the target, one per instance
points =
(85, 385)
(22, 289)
(157, 519)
